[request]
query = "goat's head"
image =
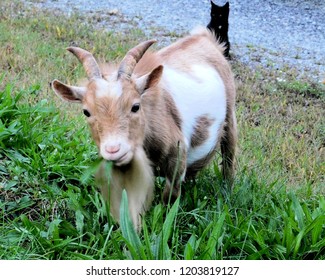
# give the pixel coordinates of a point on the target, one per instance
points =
(113, 105)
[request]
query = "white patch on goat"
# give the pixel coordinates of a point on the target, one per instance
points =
(200, 92)
(105, 88)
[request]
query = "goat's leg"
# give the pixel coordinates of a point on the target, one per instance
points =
(175, 173)
(228, 149)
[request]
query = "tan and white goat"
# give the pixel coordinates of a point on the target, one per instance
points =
(167, 111)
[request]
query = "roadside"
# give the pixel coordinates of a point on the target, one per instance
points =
(277, 35)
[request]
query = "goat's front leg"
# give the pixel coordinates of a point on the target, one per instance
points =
(175, 170)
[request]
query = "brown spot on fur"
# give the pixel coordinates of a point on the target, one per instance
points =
(201, 130)
(201, 163)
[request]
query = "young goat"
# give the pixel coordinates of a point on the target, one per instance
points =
(166, 111)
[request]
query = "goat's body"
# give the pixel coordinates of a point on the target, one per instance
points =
(200, 100)
(198, 95)
(187, 97)
(195, 85)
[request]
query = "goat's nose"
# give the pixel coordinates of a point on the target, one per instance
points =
(112, 149)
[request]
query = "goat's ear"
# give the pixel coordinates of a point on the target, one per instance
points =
(68, 93)
(149, 80)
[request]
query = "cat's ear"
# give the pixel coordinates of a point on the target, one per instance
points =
(212, 4)
(226, 9)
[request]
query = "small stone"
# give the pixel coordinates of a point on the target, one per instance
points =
(113, 12)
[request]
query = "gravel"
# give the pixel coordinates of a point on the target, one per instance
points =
(277, 34)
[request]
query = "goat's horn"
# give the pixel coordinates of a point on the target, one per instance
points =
(131, 59)
(88, 61)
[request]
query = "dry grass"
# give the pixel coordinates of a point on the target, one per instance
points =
(281, 127)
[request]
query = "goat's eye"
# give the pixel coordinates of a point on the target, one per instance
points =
(135, 107)
(86, 113)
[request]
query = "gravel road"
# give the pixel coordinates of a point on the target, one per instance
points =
(269, 33)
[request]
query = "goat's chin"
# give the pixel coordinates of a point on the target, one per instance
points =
(124, 159)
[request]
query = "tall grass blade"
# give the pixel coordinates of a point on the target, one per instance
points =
(190, 247)
(102, 252)
(211, 246)
(318, 222)
(161, 250)
(299, 212)
(131, 237)
(170, 219)
(147, 241)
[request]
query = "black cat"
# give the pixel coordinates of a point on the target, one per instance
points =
(219, 24)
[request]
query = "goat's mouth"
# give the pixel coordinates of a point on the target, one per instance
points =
(122, 160)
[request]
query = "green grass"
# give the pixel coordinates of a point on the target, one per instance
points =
(50, 207)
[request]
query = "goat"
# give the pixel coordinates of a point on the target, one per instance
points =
(167, 110)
